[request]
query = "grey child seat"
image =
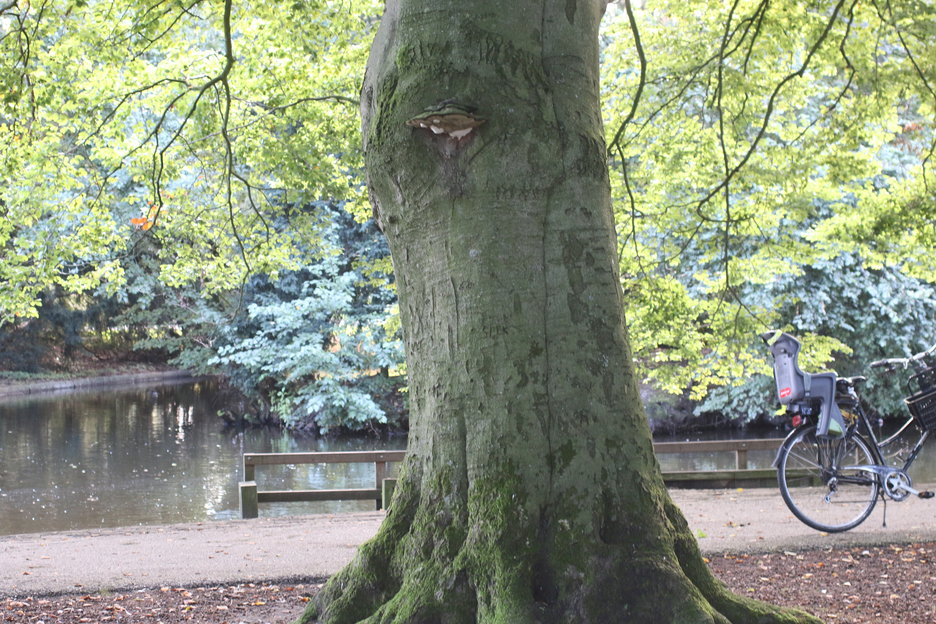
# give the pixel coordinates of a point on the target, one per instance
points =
(794, 387)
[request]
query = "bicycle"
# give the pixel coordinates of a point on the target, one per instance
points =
(831, 468)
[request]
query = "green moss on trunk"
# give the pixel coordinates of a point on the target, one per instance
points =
(530, 493)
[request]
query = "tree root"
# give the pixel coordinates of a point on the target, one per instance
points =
(427, 569)
(737, 609)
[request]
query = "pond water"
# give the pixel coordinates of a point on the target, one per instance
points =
(149, 455)
(160, 454)
(923, 470)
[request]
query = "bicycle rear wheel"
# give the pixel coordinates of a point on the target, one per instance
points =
(820, 483)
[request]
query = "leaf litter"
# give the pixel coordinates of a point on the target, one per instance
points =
(889, 584)
(245, 603)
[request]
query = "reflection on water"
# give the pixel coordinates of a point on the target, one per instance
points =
(719, 460)
(160, 455)
(923, 470)
(148, 456)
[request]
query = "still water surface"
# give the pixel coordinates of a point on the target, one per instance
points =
(160, 454)
(150, 455)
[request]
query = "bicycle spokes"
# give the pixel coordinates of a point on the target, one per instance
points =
(823, 480)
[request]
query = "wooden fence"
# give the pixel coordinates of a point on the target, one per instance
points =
(250, 496)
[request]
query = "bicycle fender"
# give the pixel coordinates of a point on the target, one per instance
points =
(776, 461)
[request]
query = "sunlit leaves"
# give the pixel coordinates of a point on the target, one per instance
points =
(768, 137)
(772, 136)
(112, 106)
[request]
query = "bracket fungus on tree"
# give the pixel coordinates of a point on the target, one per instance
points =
(449, 118)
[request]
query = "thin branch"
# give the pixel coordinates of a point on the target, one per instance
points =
(221, 78)
(126, 98)
(25, 38)
(228, 144)
(759, 22)
(852, 72)
(152, 40)
(25, 53)
(143, 21)
(635, 102)
(322, 98)
(719, 92)
(922, 75)
(771, 104)
(615, 142)
(271, 110)
(692, 76)
(743, 27)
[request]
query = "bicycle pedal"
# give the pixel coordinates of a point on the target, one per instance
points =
(926, 494)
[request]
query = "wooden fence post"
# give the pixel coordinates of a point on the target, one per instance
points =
(380, 472)
(386, 492)
(248, 499)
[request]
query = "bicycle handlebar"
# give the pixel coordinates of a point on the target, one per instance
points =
(892, 363)
(889, 363)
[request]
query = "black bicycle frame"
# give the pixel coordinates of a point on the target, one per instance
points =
(864, 427)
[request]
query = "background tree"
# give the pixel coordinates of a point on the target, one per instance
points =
(143, 170)
(774, 138)
(127, 121)
(317, 347)
(767, 141)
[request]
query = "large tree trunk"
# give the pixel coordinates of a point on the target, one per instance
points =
(531, 492)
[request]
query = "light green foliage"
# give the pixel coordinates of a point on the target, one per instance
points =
(200, 121)
(754, 144)
(771, 139)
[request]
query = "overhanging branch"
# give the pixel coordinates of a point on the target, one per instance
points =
(771, 104)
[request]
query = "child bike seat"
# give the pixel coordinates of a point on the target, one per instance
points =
(797, 387)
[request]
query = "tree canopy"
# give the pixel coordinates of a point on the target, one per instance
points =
(751, 143)
(206, 126)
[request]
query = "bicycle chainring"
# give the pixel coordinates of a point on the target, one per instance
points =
(895, 484)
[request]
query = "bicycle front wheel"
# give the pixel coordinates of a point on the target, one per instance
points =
(820, 480)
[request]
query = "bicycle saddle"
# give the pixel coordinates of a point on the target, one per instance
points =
(853, 381)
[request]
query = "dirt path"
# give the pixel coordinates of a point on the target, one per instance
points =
(316, 546)
(181, 555)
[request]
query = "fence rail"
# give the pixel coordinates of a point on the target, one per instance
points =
(250, 496)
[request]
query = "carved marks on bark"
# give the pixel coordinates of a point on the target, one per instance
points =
(536, 177)
(570, 7)
(591, 158)
(524, 188)
(472, 47)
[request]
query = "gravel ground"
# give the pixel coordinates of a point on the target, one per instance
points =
(893, 584)
(232, 571)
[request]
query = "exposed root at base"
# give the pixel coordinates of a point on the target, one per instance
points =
(413, 572)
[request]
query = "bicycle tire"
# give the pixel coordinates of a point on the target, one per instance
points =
(817, 485)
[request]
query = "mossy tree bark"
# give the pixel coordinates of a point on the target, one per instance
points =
(531, 492)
